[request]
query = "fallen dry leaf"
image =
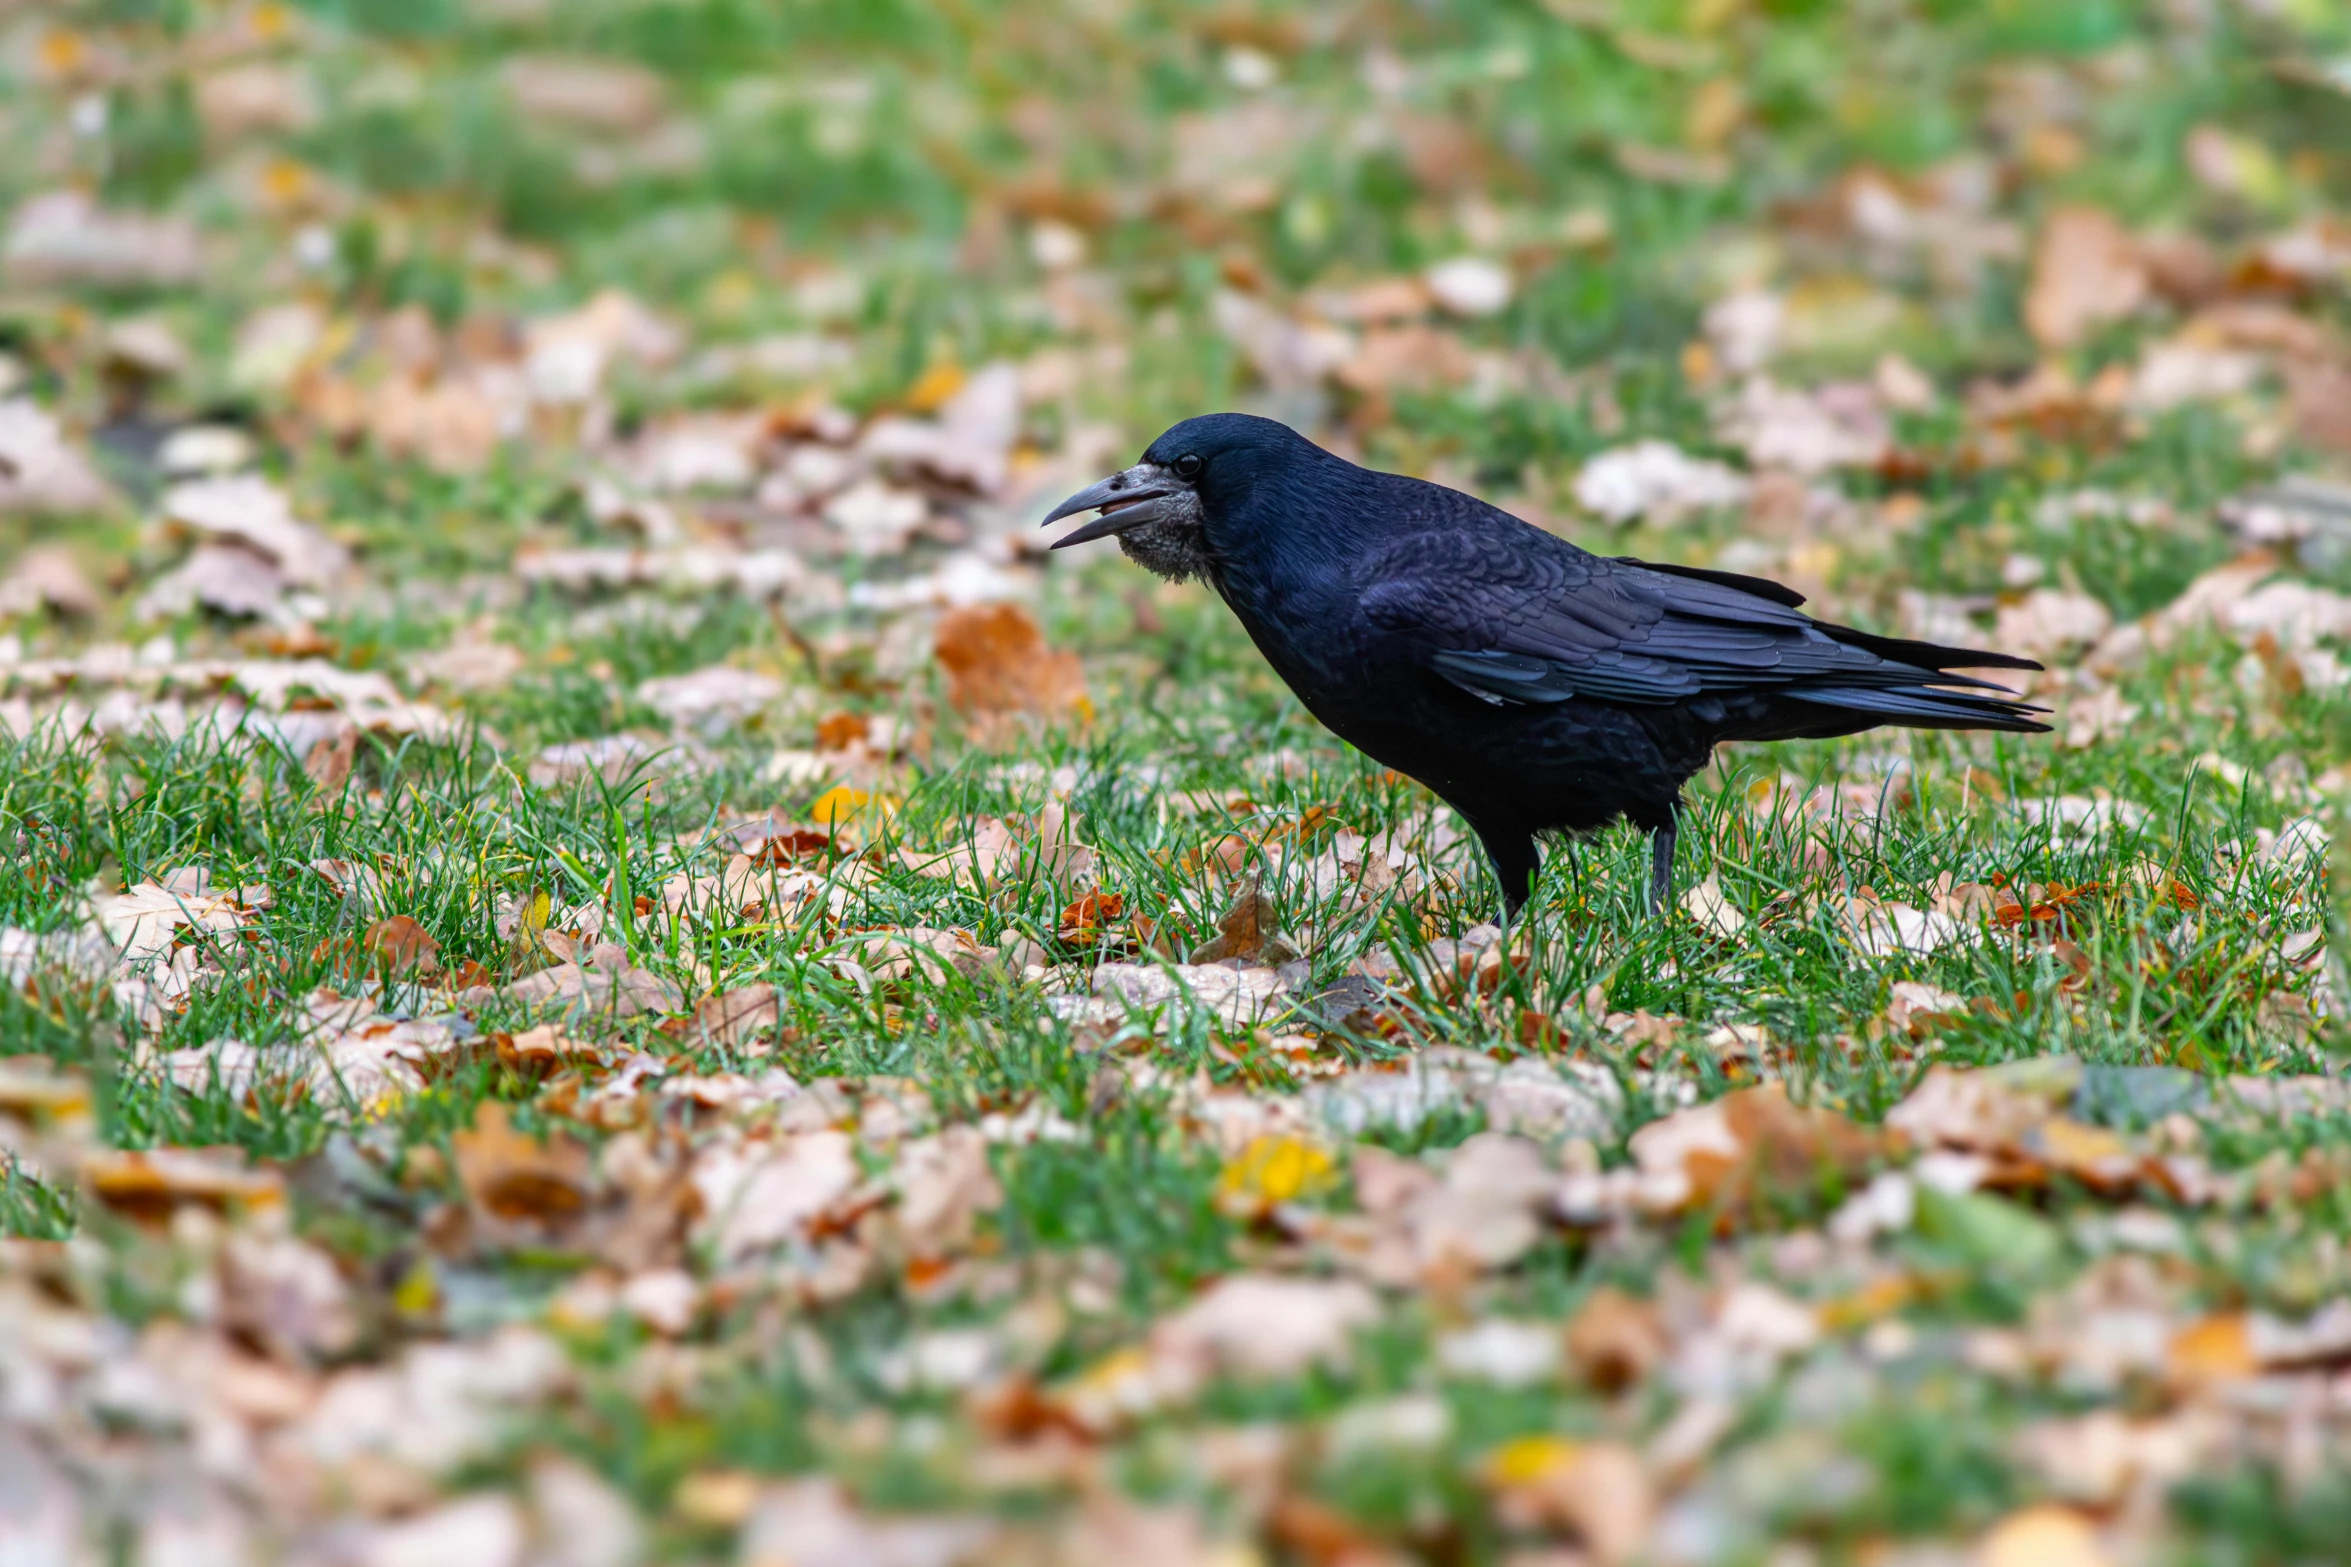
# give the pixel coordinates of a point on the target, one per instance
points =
(735, 1018)
(1615, 1338)
(2086, 272)
(509, 1175)
(998, 666)
(1273, 1170)
(48, 578)
(2218, 1348)
(1729, 1154)
(2043, 1536)
(64, 237)
(144, 921)
(1599, 1492)
(1658, 482)
(1712, 912)
(1247, 933)
(594, 94)
(537, 1052)
(403, 946)
(149, 1184)
(1264, 1325)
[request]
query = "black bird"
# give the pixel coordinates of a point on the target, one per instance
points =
(1536, 687)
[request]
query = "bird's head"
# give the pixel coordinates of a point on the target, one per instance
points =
(1162, 510)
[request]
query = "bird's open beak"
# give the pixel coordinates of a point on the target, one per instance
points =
(1126, 500)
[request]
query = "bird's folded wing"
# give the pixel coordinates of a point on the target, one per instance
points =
(1522, 623)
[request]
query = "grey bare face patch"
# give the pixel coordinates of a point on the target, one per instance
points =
(1174, 544)
(1154, 513)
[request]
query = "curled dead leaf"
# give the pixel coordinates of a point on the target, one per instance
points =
(150, 1183)
(1615, 1338)
(1088, 921)
(510, 1175)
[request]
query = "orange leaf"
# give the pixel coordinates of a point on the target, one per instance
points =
(404, 945)
(2215, 1349)
(998, 664)
(512, 1175)
(1083, 922)
(934, 386)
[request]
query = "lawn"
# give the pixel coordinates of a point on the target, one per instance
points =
(607, 962)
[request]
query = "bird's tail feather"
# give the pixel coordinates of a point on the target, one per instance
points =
(1924, 707)
(1925, 655)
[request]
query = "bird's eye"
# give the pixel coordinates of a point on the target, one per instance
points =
(1189, 465)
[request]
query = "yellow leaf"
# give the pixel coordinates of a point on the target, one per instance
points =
(63, 53)
(1879, 1298)
(531, 922)
(285, 182)
(418, 1294)
(2079, 1148)
(842, 806)
(1117, 1369)
(1715, 112)
(716, 1498)
(934, 387)
(1527, 1460)
(1272, 1170)
(2214, 1349)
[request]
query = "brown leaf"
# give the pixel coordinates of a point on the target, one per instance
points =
(1728, 1154)
(537, 1052)
(998, 665)
(2319, 402)
(150, 1183)
(510, 1175)
(450, 425)
(286, 1295)
(735, 1017)
(843, 731)
(2086, 271)
(1413, 358)
(1598, 1491)
(328, 765)
(944, 1185)
(1919, 1009)
(45, 578)
(1313, 1531)
(404, 946)
(1615, 1338)
(1247, 932)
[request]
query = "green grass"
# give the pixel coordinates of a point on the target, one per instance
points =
(871, 172)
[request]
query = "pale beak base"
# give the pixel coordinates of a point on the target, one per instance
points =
(1126, 500)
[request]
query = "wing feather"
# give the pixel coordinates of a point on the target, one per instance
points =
(1525, 620)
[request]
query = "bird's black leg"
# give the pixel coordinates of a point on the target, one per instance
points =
(1515, 864)
(1661, 865)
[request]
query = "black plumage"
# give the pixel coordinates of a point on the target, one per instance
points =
(1534, 686)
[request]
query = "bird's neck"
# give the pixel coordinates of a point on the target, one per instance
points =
(1287, 537)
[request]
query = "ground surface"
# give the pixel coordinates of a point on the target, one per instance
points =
(604, 963)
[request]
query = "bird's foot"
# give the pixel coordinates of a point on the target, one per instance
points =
(1661, 869)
